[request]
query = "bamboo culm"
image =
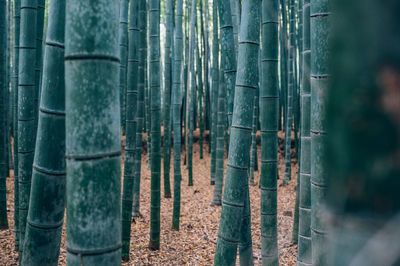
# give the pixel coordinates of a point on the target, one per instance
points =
(155, 107)
(214, 95)
(3, 117)
(191, 91)
(176, 109)
(219, 150)
(17, 18)
(167, 97)
(131, 108)
(140, 113)
(228, 60)
(290, 98)
(236, 185)
(123, 51)
(93, 150)
(200, 96)
(48, 191)
(363, 231)
(269, 111)
(304, 241)
(26, 109)
(253, 151)
(319, 80)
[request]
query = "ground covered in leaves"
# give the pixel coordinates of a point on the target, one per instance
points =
(194, 243)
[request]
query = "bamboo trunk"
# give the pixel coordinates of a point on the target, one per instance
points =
(26, 109)
(167, 97)
(269, 111)
(131, 99)
(93, 133)
(236, 186)
(3, 117)
(176, 92)
(319, 79)
(155, 105)
(47, 199)
(304, 242)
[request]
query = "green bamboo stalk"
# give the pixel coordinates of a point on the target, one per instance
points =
(228, 61)
(176, 109)
(319, 30)
(47, 198)
(186, 80)
(155, 105)
(290, 96)
(147, 94)
(167, 96)
(236, 185)
(304, 242)
(285, 58)
(214, 94)
(200, 88)
(253, 150)
(17, 18)
(8, 93)
(191, 92)
(295, 230)
(26, 109)
(93, 150)
(140, 113)
(131, 122)
(269, 110)
(297, 9)
(39, 48)
(363, 126)
(205, 56)
(123, 50)
(219, 150)
(245, 242)
(235, 10)
(300, 20)
(3, 117)
(284, 61)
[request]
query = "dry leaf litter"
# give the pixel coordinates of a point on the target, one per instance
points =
(194, 243)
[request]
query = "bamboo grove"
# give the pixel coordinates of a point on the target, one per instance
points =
(285, 88)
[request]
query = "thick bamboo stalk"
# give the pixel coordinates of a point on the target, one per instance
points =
(39, 50)
(363, 122)
(26, 109)
(17, 19)
(3, 116)
(140, 106)
(319, 78)
(235, 13)
(130, 124)
(304, 242)
(200, 92)
(123, 51)
(167, 96)
(269, 110)
(236, 185)
(176, 109)
(47, 199)
(155, 107)
(93, 149)
(214, 94)
(228, 58)
(191, 98)
(291, 90)
(253, 149)
(219, 150)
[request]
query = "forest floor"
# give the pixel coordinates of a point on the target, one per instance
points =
(195, 242)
